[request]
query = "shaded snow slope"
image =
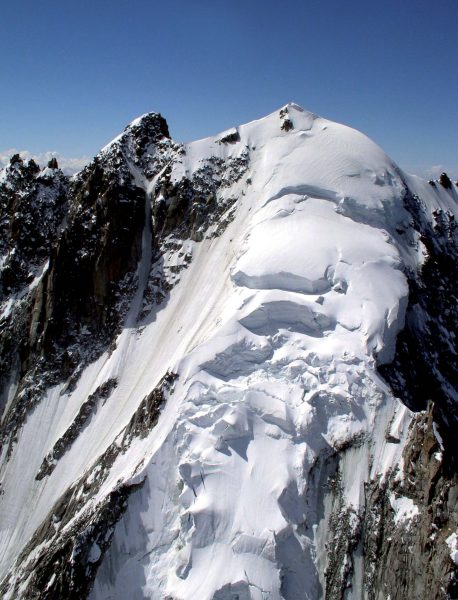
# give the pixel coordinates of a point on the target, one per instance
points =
(274, 327)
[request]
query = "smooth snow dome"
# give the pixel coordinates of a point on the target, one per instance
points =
(275, 330)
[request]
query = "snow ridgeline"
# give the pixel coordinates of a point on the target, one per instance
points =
(275, 319)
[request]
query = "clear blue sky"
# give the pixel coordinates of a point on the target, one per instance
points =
(73, 74)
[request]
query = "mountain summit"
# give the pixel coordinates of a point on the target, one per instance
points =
(228, 370)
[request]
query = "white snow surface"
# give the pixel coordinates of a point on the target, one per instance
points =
(275, 330)
(404, 508)
(452, 543)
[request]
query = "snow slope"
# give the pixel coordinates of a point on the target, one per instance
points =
(275, 330)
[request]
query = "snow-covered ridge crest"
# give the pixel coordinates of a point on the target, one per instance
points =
(285, 293)
(152, 124)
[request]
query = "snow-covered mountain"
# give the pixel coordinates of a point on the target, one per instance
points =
(228, 370)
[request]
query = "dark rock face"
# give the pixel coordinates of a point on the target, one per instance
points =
(445, 182)
(99, 247)
(73, 548)
(373, 554)
(68, 568)
(32, 207)
(101, 394)
(89, 232)
(413, 560)
(85, 236)
(370, 553)
(424, 375)
(287, 124)
(230, 138)
(425, 366)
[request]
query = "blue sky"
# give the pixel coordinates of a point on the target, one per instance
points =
(74, 74)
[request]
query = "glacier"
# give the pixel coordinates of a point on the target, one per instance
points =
(223, 446)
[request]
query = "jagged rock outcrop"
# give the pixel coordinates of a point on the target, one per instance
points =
(33, 204)
(76, 539)
(395, 545)
(425, 367)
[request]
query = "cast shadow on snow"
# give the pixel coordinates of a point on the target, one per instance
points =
(155, 295)
(132, 560)
(270, 317)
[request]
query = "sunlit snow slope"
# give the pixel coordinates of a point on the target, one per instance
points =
(269, 337)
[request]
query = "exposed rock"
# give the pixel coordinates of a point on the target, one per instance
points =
(65, 441)
(75, 549)
(90, 232)
(230, 138)
(411, 556)
(404, 552)
(445, 182)
(76, 533)
(147, 414)
(16, 159)
(379, 552)
(287, 125)
(425, 369)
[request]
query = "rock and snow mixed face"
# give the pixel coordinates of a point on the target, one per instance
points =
(276, 315)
